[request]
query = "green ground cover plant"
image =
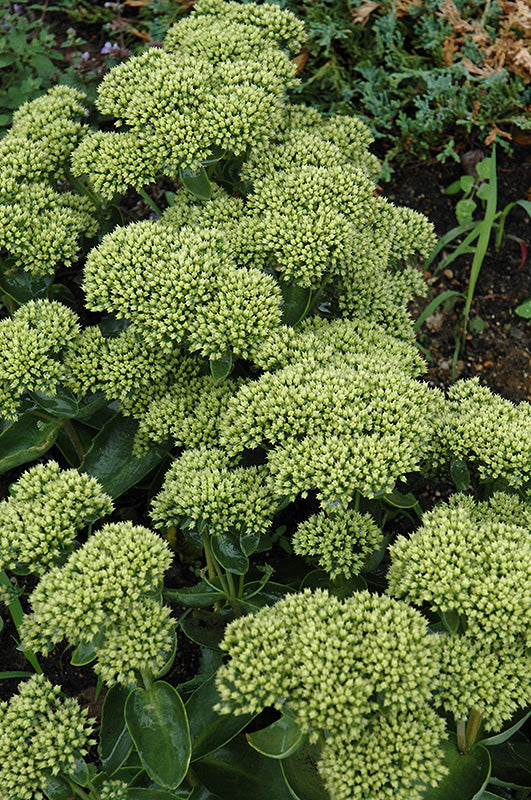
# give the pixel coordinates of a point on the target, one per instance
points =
(245, 360)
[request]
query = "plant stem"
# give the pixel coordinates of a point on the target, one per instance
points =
(212, 564)
(74, 438)
(472, 728)
(461, 736)
(17, 615)
(151, 203)
(146, 679)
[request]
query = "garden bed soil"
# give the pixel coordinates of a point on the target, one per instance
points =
(500, 354)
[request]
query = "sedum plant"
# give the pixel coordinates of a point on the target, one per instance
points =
(46, 509)
(471, 563)
(40, 222)
(349, 672)
(106, 600)
(41, 735)
(251, 342)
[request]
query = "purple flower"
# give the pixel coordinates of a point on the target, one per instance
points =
(85, 56)
(16, 8)
(153, 216)
(109, 48)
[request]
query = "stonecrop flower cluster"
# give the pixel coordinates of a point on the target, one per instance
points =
(490, 433)
(357, 675)
(107, 595)
(473, 561)
(46, 509)
(336, 430)
(32, 343)
(40, 225)
(217, 86)
(41, 734)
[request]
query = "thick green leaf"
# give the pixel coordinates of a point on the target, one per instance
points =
(111, 459)
(468, 775)
(526, 204)
(25, 440)
(295, 302)
(399, 500)
(22, 286)
(340, 587)
(270, 594)
(80, 773)
(227, 550)
(220, 367)
(74, 440)
(237, 772)
(90, 404)
(208, 729)
(199, 596)
(115, 739)
(205, 628)
(57, 788)
(138, 793)
(511, 762)
(86, 651)
(61, 404)
(158, 724)
(301, 776)
(249, 542)
(197, 182)
(460, 474)
(279, 740)
(450, 619)
(500, 738)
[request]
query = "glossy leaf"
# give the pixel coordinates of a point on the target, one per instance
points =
(86, 651)
(340, 587)
(22, 286)
(80, 773)
(197, 182)
(249, 542)
(205, 628)
(115, 739)
(295, 302)
(62, 404)
(399, 500)
(511, 762)
(57, 788)
(158, 724)
(301, 775)
(500, 738)
(111, 459)
(140, 793)
(26, 440)
(208, 729)
(460, 474)
(450, 620)
(237, 772)
(270, 594)
(468, 775)
(227, 550)
(279, 740)
(220, 368)
(199, 596)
